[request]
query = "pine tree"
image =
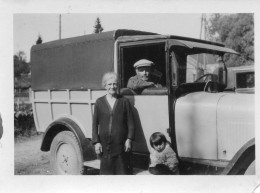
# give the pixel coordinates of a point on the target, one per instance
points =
(98, 27)
(39, 40)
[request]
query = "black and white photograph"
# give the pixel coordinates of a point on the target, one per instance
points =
(129, 101)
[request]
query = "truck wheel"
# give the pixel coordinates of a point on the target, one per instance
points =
(251, 169)
(66, 156)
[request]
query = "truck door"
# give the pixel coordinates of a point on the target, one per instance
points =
(151, 106)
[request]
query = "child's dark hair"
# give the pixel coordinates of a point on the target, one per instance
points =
(157, 138)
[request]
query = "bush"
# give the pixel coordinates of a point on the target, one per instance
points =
(23, 121)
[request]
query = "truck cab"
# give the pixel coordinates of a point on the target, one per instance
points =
(241, 79)
(204, 124)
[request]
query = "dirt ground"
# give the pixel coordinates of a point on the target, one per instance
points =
(29, 159)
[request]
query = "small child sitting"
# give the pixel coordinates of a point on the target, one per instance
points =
(163, 159)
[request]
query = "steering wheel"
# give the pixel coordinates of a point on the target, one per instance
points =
(211, 87)
(205, 76)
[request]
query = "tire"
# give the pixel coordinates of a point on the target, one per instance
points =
(66, 155)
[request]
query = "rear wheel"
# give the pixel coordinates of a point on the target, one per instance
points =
(66, 156)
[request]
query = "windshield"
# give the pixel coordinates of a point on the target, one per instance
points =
(200, 67)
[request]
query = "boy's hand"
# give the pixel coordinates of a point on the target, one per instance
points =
(128, 145)
(98, 148)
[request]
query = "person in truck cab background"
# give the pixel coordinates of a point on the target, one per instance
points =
(113, 129)
(145, 76)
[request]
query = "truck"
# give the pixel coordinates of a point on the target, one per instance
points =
(207, 125)
(241, 79)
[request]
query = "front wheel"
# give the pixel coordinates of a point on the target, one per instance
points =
(66, 156)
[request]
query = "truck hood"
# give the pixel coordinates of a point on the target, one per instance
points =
(213, 125)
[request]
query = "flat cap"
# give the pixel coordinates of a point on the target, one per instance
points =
(143, 62)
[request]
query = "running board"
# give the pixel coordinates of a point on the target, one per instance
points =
(92, 164)
(96, 165)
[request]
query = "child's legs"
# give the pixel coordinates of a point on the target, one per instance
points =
(160, 169)
(154, 171)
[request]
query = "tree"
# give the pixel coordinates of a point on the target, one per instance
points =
(236, 31)
(98, 27)
(39, 40)
(20, 64)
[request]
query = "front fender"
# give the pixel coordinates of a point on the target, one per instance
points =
(242, 159)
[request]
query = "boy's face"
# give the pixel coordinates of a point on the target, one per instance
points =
(159, 147)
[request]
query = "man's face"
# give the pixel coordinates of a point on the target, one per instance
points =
(144, 72)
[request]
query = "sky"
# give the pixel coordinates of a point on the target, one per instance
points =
(27, 27)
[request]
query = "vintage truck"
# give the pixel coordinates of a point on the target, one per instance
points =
(207, 126)
(241, 79)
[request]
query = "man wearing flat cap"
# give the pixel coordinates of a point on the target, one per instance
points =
(144, 77)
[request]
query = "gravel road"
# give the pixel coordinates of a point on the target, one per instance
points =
(29, 159)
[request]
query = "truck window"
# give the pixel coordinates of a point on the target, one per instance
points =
(194, 67)
(245, 80)
(199, 65)
(194, 71)
(154, 52)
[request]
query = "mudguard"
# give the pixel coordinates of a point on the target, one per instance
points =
(63, 124)
(242, 159)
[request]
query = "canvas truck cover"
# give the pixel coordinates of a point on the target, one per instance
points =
(75, 63)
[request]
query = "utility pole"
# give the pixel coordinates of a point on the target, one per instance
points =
(201, 24)
(203, 27)
(203, 31)
(59, 26)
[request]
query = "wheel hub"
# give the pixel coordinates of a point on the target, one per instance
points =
(66, 159)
